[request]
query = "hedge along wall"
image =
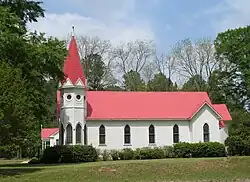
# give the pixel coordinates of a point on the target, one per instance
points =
(208, 149)
(81, 153)
(181, 150)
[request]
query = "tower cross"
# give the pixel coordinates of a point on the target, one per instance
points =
(73, 30)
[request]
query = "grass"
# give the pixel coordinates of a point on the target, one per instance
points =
(216, 169)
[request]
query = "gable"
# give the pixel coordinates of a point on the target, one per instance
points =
(47, 132)
(210, 108)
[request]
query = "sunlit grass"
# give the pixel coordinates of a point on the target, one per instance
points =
(133, 171)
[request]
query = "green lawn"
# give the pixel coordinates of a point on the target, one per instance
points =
(219, 169)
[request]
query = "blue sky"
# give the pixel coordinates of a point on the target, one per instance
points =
(164, 21)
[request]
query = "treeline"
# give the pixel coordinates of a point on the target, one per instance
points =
(137, 66)
(31, 67)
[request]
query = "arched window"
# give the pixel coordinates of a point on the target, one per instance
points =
(69, 134)
(62, 134)
(176, 134)
(206, 132)
(78, 133)
(151, 134)
(102, 135)
(85, 134)
(127, 134)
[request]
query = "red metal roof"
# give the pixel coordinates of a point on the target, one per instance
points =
(145, 105)
(72, 66)
(223, 111)
(47, 132)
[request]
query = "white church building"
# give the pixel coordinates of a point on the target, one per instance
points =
(116, 120)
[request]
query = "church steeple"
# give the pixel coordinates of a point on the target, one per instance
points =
(72, 99)
(72, 67)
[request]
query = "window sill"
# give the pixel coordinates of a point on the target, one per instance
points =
(102, 145)
(127, 144)
(152, 144)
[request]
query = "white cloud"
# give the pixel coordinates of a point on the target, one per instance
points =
(114, 20)
(230, 14)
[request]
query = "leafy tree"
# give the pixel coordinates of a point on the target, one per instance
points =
(16, 114)
(160, 83)
(133, 81)
(94, 69)
(239, 129)
(113, 88)
(232, 49)
(217, 93)
(195, 83)
(37, 60)
(26, 10)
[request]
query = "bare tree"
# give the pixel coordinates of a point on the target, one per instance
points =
(195, 58)
(148, 72)
(136, 56)
(166, 64)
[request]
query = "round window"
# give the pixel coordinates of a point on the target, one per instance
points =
(78, 97)
(69, 97)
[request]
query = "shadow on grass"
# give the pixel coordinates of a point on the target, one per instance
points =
(35, 165)
(17, 171)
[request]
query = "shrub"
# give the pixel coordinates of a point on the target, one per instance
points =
(137, 154)
(69, 154)
(57, 154)
(8, 151)
(208, 149)
(237, 145)
(105, 155)
(84, 153)
(114, 154)
(182, 149)
(126, 154)
(157, 153)
(151, 153)
(168, 151)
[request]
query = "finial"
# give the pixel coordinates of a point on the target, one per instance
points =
(73, 30)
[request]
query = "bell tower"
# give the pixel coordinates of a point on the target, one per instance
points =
(72, 117)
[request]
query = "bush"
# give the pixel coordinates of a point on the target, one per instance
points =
(151, 153)
(168, 151)
(83, 153)
(237, 145)
(8, 151)
(69, 154)
(182, 149)
(114, 154)
(105, 155)
(126, 154)
(137, 154)
(208, 149)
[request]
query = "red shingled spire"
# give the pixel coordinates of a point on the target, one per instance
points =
(72, 66)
